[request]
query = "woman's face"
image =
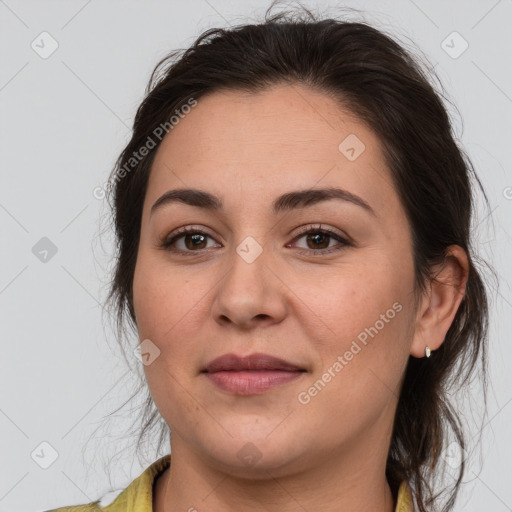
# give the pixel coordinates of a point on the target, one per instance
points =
(252, 282)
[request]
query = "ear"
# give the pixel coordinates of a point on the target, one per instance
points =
(440, 302)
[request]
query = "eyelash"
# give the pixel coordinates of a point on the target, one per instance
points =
(166, 244)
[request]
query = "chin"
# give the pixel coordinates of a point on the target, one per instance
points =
(252, 461)
(249, 453)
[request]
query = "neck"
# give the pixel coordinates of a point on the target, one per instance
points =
(348, 482)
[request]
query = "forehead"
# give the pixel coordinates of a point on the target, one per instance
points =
(259, 145)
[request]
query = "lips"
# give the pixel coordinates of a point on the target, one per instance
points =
(253, 362)
(251, 375)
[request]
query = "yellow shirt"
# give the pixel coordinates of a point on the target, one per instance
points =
(138, 496)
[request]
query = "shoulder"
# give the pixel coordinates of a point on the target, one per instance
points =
(88, 507)
(404, 499)
(138, 496)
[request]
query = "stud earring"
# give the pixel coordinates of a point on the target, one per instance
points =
(428, 352)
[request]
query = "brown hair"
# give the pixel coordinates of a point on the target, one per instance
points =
(374, 77)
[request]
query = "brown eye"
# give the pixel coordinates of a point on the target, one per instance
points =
(196, 240)
(193, 240)
(318, 240)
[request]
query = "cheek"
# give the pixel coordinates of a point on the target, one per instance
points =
(348, 299)
(361, 360)
(358, 320)
(163, 298)
(167, 307)
(170, 307)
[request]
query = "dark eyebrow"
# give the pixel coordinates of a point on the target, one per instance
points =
(290, 201)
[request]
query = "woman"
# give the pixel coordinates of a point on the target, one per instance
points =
(292, 214)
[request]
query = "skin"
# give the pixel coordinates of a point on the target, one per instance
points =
(304, 307)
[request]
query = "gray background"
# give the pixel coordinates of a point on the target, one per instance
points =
(65, 118)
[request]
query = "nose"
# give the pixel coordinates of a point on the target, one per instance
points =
(250, 293)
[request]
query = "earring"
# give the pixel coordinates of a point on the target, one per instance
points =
(428, 352)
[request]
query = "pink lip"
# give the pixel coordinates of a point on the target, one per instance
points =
(232, 362)
(253, 374)
(251, 382)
